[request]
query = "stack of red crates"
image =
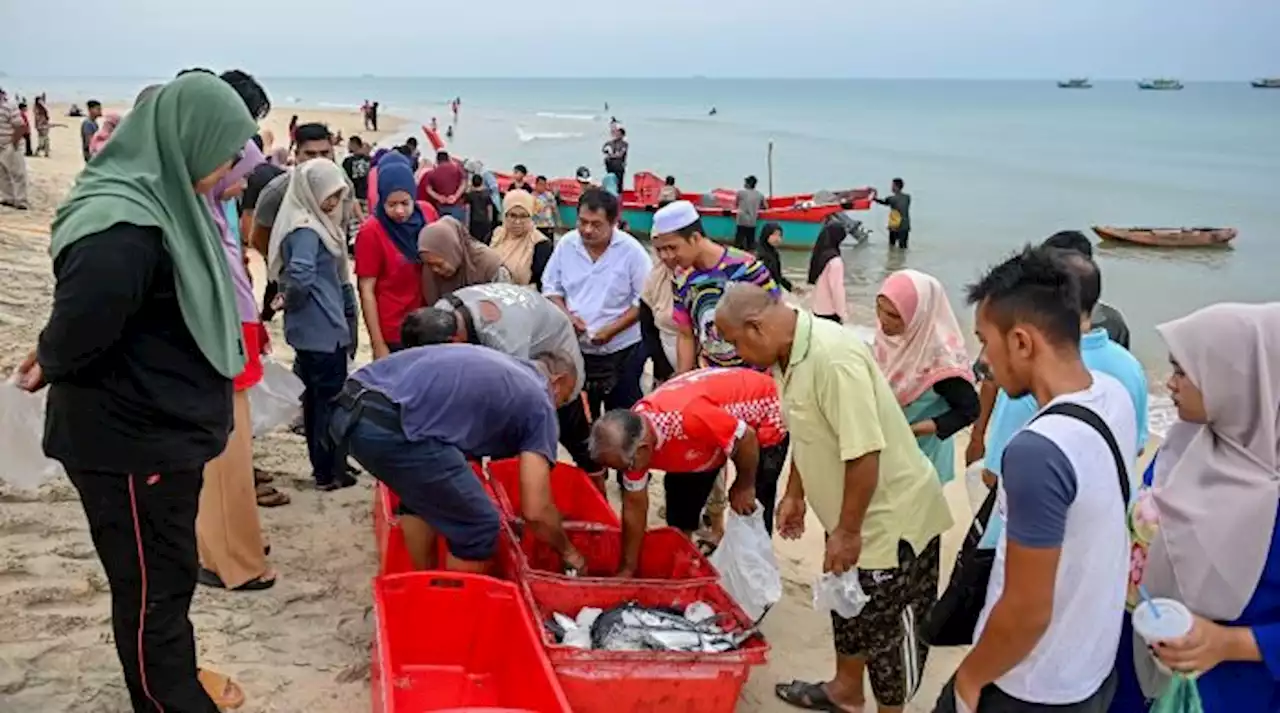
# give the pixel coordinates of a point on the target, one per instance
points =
(437, 649)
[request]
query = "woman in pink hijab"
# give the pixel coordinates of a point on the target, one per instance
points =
(921, 350)
(105, 129)
(1204, 529)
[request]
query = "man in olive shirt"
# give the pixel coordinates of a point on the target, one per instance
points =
(875, 493)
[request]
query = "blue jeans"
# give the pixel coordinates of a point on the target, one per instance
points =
(456, 211)
(323, 374)
(432, 479)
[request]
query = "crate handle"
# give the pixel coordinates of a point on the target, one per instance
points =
(447, 583)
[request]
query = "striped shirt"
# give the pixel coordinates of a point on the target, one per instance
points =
(698, 291)
(10, 123)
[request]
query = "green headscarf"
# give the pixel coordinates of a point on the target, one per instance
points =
(145, 175)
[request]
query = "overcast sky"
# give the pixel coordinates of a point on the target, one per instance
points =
(1190, 39)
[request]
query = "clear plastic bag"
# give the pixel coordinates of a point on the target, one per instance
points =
(841, 594)
(747, 564)
(23, 464)
(275, 401)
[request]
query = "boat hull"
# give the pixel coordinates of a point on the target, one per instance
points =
(799, 231)
(1168, 237)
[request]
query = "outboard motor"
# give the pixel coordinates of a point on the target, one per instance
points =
(852, 226)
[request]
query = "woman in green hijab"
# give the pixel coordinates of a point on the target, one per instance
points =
(139, 352)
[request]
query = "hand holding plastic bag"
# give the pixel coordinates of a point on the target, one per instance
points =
(747, 565)
(23, 464)
(275, 400)
(841, 594)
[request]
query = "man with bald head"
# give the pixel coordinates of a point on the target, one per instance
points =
(876, 494)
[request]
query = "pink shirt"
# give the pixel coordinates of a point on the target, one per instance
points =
(828, 294)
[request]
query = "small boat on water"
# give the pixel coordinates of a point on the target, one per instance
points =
(1080, 83)
(1167, 85)
(801, 215)
(1168, 237)
(1266, 83)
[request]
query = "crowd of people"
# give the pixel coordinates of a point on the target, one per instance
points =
(494, 338)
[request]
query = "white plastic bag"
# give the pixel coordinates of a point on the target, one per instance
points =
(841, 594)
(275, 401)
(23, 463)
(747, 565)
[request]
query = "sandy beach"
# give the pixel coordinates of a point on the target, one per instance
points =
(304, 645)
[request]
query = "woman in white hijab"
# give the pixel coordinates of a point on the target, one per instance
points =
(308, 255)
(1205, 529)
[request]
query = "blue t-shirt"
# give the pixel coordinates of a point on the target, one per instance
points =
(481, 401)
(1099, 353)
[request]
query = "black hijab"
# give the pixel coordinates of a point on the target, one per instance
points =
(768, 254)
(826, 248)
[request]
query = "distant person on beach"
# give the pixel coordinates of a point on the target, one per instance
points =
(546, 214)
(748, 204)
(713, 112)
(140, 351)
(826, 274)
(480, 212)
(443, 187)
(13, 165)
(899, 204)
(373, 116)
(415, 418)
(434, 125)
(668, 193)
(89, 127)
(42, 127)
(357, 165)
(23, 110)
(448, 132)
(520, 179)
(364, 115)
(767, 253)
(615, 156)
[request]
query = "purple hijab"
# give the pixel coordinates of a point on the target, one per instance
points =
(223, 213)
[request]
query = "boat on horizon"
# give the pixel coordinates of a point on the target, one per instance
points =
(1266, 83)
(1168, 237)
(1079, 83)
(801, 215)
(1167, 85)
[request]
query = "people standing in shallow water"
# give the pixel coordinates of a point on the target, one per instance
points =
(920, 349)
(899, 204)
(826, 274)
(139, 351)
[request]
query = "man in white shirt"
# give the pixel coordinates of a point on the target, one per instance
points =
(596, 275)
(1048, 634)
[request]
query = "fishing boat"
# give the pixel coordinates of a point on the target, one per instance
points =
(801, 215)
(1075, 84)
(1266, 83)
(1166, 85)
(1168, 237)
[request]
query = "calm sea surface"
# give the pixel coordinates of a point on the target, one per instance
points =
(990, 165)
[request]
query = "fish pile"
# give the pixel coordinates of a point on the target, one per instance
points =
(631, 627)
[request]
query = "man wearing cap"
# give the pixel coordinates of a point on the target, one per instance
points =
(583, 175)
(13, 165)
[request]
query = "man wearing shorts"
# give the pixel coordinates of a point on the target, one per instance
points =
(412, 419)
(690, 427)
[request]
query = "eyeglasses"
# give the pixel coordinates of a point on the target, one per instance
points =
(517, 217)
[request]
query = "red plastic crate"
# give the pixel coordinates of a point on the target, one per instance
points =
(393, 557)
(665, 555)
(449, 641)
(572, 491)
(645, 681)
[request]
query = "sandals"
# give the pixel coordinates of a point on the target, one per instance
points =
(225, 693)
(209, 578)
(809, 696)
(262, 477)
(269, 497)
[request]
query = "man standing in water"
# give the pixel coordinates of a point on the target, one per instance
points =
(899, 204)
(615, 156)
(748, 205)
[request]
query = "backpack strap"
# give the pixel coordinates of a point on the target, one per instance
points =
(1093, 420)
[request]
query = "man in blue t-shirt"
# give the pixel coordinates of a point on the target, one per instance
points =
(412, 420)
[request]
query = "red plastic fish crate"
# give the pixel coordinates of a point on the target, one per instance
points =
(393, 557)
(448, 641)
(572, 491)
(665, 555)
(645, 681)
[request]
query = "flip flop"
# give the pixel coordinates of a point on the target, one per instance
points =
(209, 578)
(225, 693)
(809, 696)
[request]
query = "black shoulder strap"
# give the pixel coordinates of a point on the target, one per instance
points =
(473, 337)
(1087, 415)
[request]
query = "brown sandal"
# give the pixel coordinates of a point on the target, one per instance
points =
(269, 497)
(225, 693)
(262, 477)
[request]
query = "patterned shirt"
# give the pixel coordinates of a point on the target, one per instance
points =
(544, 215)
(698, 292)
(699, 417)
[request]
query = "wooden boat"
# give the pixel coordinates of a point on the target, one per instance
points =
(1266, 83)
(801, 215)
(1167, 85)
(1075, 84)
(1168, 237)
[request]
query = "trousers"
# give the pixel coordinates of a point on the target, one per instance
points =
(144, 529)
(13, 176)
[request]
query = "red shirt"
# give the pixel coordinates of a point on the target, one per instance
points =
(398, 286)
(698, 418)
(444, 179)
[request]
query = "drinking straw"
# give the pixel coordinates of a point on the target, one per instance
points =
(1146, 597)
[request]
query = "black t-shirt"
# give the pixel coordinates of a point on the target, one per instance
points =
(258, 179)
(357, 167)
(129, 390)
(519, 187)
(481, 206)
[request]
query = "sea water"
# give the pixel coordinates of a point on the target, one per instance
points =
(990, 165)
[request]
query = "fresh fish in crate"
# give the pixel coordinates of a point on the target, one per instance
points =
(634, 628)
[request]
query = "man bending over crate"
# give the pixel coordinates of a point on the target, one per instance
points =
(690, 427)
(413, 418)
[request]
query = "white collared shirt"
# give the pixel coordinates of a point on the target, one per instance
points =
(599, 291)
